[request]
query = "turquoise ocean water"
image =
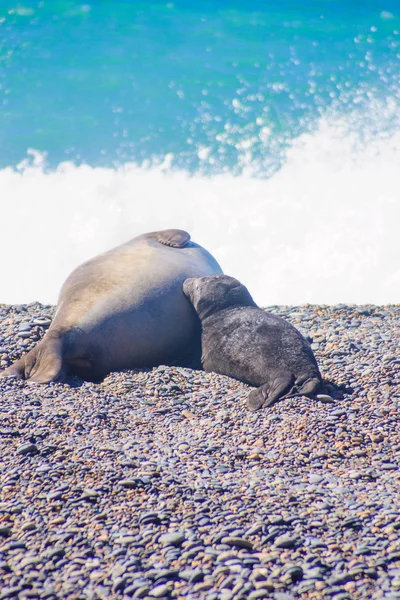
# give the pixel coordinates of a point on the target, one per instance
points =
(270, 130)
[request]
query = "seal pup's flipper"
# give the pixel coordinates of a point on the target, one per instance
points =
(41, 365)
(270, 392)
(308, 387)
(176, 238)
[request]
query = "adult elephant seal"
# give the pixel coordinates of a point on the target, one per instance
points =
(122, 309)
(242, 341)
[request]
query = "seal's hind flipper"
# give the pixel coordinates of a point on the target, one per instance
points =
(270, 392)
(176, 238)
(41, 365)
(309, 387)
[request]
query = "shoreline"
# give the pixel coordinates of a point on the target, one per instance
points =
(159, 484)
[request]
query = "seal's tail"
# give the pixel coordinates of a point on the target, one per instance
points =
(42, 364)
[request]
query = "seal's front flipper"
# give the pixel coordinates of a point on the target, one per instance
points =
(45, 362)
(16, 371)
(270, 392)
(41, 365)
(309, 387)
(176, 238)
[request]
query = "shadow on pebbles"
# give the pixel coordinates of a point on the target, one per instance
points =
(159, 484)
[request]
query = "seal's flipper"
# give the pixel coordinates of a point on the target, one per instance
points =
(176, 238)
(45, 362)
(16, 371)
(309, 387)
(41, 365)
(270, 392)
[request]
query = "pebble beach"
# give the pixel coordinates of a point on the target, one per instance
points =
(160, 484)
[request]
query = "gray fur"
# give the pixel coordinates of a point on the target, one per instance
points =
(242, 341)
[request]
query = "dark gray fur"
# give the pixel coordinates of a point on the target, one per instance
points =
(242, 341)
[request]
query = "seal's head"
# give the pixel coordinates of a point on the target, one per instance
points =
(212, 294)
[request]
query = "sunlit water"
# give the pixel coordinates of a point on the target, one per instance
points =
(270, 131)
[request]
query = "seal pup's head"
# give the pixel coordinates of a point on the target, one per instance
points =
(212, 294)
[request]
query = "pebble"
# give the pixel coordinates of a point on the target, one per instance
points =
(259, 594)
(324, 398)
(159, 483)
(315, 478)
(238, 542)
(286, 541)
(159, 591)
(27, 449)
(172, 539)
(129, 483)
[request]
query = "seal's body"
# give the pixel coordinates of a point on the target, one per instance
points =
(242, 341)
(122, 309)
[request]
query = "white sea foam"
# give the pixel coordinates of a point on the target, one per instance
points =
(324, 229)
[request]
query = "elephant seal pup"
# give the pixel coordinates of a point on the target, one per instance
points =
(123, 309)
(242, 341)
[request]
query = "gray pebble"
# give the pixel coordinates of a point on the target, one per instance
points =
(27, 449)
(159, 591)
(238, 542)
(172, 539)
(286, 541)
